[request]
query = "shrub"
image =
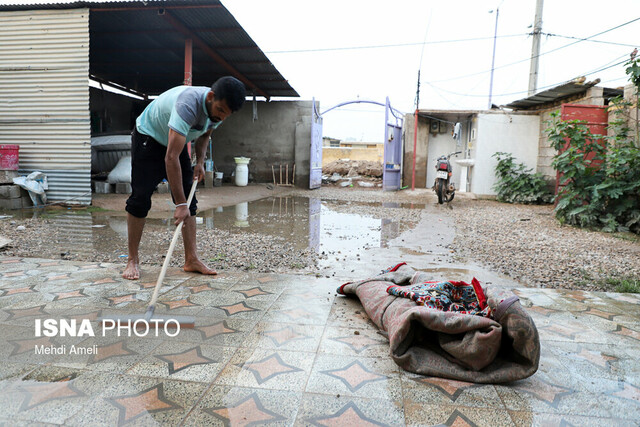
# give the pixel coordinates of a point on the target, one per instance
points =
(517, 184)
(602, 190)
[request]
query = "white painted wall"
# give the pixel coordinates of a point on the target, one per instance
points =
(443, 143)
(509, 133)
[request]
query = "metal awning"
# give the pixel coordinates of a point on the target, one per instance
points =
(140, 45)
(565, 90)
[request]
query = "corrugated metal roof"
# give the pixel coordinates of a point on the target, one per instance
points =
(554, 94)
(44, 97)
(140, 45)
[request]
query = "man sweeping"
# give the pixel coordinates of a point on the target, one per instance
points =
(159, 151)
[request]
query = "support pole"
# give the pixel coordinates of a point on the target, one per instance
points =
(188, 62)
(493, 58)
(415, 143)
(535, 49)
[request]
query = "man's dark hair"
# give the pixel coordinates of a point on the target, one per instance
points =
(231, 90)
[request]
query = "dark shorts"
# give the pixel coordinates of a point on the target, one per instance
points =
(148, 170)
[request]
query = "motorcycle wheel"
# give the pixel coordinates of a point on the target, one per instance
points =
(440, 189)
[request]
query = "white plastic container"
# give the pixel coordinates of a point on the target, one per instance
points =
(242, 171)
(217, 180)
(242, 214)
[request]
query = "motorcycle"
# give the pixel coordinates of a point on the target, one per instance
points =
(443, 186)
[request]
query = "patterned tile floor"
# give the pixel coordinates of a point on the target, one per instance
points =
(286, 350)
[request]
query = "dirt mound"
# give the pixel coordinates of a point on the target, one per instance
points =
(348, 167)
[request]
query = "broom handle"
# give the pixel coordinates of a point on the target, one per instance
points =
(167, 259)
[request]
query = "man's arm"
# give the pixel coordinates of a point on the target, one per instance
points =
(201, 151)
(174, 174)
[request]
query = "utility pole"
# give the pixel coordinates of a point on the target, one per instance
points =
(535, 49)
(493, 58)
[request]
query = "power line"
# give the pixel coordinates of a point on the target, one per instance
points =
(592, 41)
(381, 46)
(544, 53)
(525, 91)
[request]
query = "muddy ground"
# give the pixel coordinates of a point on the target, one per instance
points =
(524, 243)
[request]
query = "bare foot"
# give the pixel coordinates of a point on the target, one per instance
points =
(132, 271)
(198, 267)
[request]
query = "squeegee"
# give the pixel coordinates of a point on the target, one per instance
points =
(187, 322)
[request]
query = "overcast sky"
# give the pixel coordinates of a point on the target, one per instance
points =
(342, 50)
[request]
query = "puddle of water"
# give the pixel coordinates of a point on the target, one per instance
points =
(328, 227)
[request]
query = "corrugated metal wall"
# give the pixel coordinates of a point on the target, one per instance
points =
(44, 97)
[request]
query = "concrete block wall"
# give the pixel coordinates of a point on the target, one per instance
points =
(14, 197)
(546, 153)
(280, 135)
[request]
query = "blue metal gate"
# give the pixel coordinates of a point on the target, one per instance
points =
(392, 166)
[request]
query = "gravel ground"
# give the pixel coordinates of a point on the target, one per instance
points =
(527, 243)
(221, 249)
(521, 241)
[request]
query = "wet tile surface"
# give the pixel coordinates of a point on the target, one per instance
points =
(284, 350)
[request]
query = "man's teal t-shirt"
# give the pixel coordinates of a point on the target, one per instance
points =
(182, 109)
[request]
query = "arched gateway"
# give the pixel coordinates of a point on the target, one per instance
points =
(392, 163)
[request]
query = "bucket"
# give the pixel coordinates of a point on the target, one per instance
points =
(9, 157)
(242, 171)
(217, 179)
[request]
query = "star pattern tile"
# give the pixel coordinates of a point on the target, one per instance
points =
(450, 388)
(150, 400)
(23, 346)
(629, 391)
(104, 281)
(179, 361)
(210, 331)
(297, 313)
(172, 305)
(541, 310)
(545, 391)
(49, 264)
(604, 314)
(72, 294)
(306, 296)
(458, 419)
(245, 412)
(146, 285)
(58, 277)
(284, 336)
(248, 293)
(236, 308)
(201, 288)
(92, 315)
(561, 330)
(596, 357)
(358, 343)
(622, 330)
(112, 350)
(269, 367)
(39, 394)
(348, 415)
(13, 274)
(24, 290)
(122, 299)
(26, 312)
(354, 375)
